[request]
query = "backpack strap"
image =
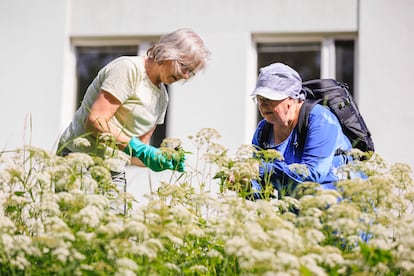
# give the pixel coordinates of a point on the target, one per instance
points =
(264, 134)
(303, 121)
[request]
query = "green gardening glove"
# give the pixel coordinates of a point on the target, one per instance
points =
(149, 155)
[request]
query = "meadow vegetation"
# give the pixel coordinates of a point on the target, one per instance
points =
(60, 216)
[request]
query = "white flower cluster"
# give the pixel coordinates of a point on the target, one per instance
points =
(56, 217)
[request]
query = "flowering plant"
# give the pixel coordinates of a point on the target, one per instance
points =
(59, 215)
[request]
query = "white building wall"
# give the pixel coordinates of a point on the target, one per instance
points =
(33, 40)
(37, 63)
(386, 76)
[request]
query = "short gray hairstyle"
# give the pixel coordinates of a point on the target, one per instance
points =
(184, 46)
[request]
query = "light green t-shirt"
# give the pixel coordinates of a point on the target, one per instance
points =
(143, 104)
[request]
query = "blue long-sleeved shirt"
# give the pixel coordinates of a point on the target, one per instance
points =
(324, 137)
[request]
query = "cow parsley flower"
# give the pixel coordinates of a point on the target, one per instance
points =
(125, 263)
(81, 143)
(90, 216)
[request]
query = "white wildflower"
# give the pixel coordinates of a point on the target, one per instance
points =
(406, 265)
(173, 267)
(7, 242)
(124, 272)
(380, 269)
(300, 169)
(146, 251)
(205, 136)
(80, 159)
(90, 216)
(198, 269)
(174, 239)
(181, 213)
(234, 244)
(85, 236)
(260, 256)
(192, 229)
(216, 154)
(255, 233)
(212, 253)
(65, 197)
(50, 205)
(345, 226)
(314, 236)
(62, 254)
(6, 224)
(55, 223)
(20, 262)
(171, 143)
(106, 137)
(245, 152)
(99, 201)
(311, 262)
(43, 178)
(136, 228)
(287, 261)
(88, 184)
(115, 164)
(126, 263)
(112, 228)
(76, 255)
(310, 222)
(332, 259)
(35, 225)
(5, 177)
(18, 200)
(81, 143)
(291, 201)
(87, 267)
(25, 244)
(344, 209)
(287, 239)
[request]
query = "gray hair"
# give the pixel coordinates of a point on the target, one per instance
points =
(184, 46)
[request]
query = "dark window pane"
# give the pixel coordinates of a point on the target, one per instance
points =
(303, 57)
(344, 54)
(89, 60)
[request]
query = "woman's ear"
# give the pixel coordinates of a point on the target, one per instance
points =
(292, 102)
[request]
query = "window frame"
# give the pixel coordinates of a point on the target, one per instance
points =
(327, 41)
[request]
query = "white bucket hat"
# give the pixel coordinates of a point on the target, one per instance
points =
(278, 81)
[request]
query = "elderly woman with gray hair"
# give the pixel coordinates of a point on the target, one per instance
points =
(128, 99)
(279, 96)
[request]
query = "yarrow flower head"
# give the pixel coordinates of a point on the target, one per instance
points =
(205, 136)
(81, 143)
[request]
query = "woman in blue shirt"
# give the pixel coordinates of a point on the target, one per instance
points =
(279, 96)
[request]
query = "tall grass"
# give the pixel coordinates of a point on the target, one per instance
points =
(58, 216)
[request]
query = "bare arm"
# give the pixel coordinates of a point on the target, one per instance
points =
(102, 110)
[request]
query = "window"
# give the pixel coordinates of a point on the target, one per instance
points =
(303, 57)
(345, 62)
(90, 59)
(315, 58)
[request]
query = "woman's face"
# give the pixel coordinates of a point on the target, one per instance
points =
(276, 112)
(172, 71)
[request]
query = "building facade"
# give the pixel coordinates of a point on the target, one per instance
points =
(48, 49)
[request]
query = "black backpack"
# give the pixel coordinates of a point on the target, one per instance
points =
(334, 95)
